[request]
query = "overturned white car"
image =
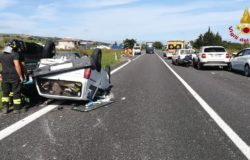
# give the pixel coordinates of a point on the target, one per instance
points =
(70, 76)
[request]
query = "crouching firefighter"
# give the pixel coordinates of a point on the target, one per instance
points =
(12, 77)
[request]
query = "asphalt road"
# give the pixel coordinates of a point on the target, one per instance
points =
(154, 117)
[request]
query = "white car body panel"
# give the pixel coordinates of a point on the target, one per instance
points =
(239, 61)
(179, 56)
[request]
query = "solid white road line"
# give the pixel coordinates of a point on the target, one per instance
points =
(138, 57)
(20, 124)
(243, 147)
(117, 69)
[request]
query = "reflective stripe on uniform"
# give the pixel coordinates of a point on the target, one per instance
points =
(5, 99)
(17, 101)
(27, 99)
(11, 94)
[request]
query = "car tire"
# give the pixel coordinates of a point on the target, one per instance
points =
(97, 59)
(49, 50)
(173, 62)
(247, 70)
(199, 66)
(225, 68)
(177, 62)
(229, 68)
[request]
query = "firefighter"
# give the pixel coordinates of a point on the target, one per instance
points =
(20, 48)
(12, 77)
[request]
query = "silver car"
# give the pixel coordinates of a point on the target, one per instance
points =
(241, 62)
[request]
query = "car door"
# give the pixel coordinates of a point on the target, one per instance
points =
(242, 60)
(235, 60)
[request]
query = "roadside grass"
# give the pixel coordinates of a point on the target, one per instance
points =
(109, 57)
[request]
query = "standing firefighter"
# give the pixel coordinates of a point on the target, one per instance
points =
(12, 77)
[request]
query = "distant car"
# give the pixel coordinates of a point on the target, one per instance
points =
(241, 62)
(136, 50)
(183, 56)
(70, 76)
(211, 56)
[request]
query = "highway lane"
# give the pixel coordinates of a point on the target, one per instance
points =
(154, 117)
(227, 92)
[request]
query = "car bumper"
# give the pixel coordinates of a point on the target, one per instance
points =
(169, 55)
(214, 64)
(183, 61)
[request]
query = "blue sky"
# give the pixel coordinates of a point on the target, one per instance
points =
(115, 20)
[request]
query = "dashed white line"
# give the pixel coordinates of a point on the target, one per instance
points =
(20, 124)
(242, 146)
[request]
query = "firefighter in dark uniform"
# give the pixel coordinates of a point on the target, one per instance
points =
(12, 77)
(20, 49)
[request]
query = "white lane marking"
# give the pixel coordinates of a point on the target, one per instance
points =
(243, 147)
(20, 124)
(138, 57)
(117, 69)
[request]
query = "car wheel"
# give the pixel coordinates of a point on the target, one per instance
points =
(49, 50)
(225, 68)
(97, 59)
(229, 68)
(199, 66)
(246, 70)
(176, 62)
(173, 62)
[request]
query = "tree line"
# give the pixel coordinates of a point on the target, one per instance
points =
(211, 39)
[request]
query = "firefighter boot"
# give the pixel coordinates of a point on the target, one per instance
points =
(17, 106)
(5, 102)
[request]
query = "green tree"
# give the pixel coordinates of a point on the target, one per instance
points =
(158, 45)
(129, 43)
(208, 39)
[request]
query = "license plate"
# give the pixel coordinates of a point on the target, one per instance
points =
(61, 66)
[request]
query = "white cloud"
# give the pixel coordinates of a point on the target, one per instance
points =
(7, 3)
(101, 3)
(15, 23)
(144, 22)
(45, 12)
(147, 21)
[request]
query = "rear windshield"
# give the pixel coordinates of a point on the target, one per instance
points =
(215, 49)
(136, 47)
